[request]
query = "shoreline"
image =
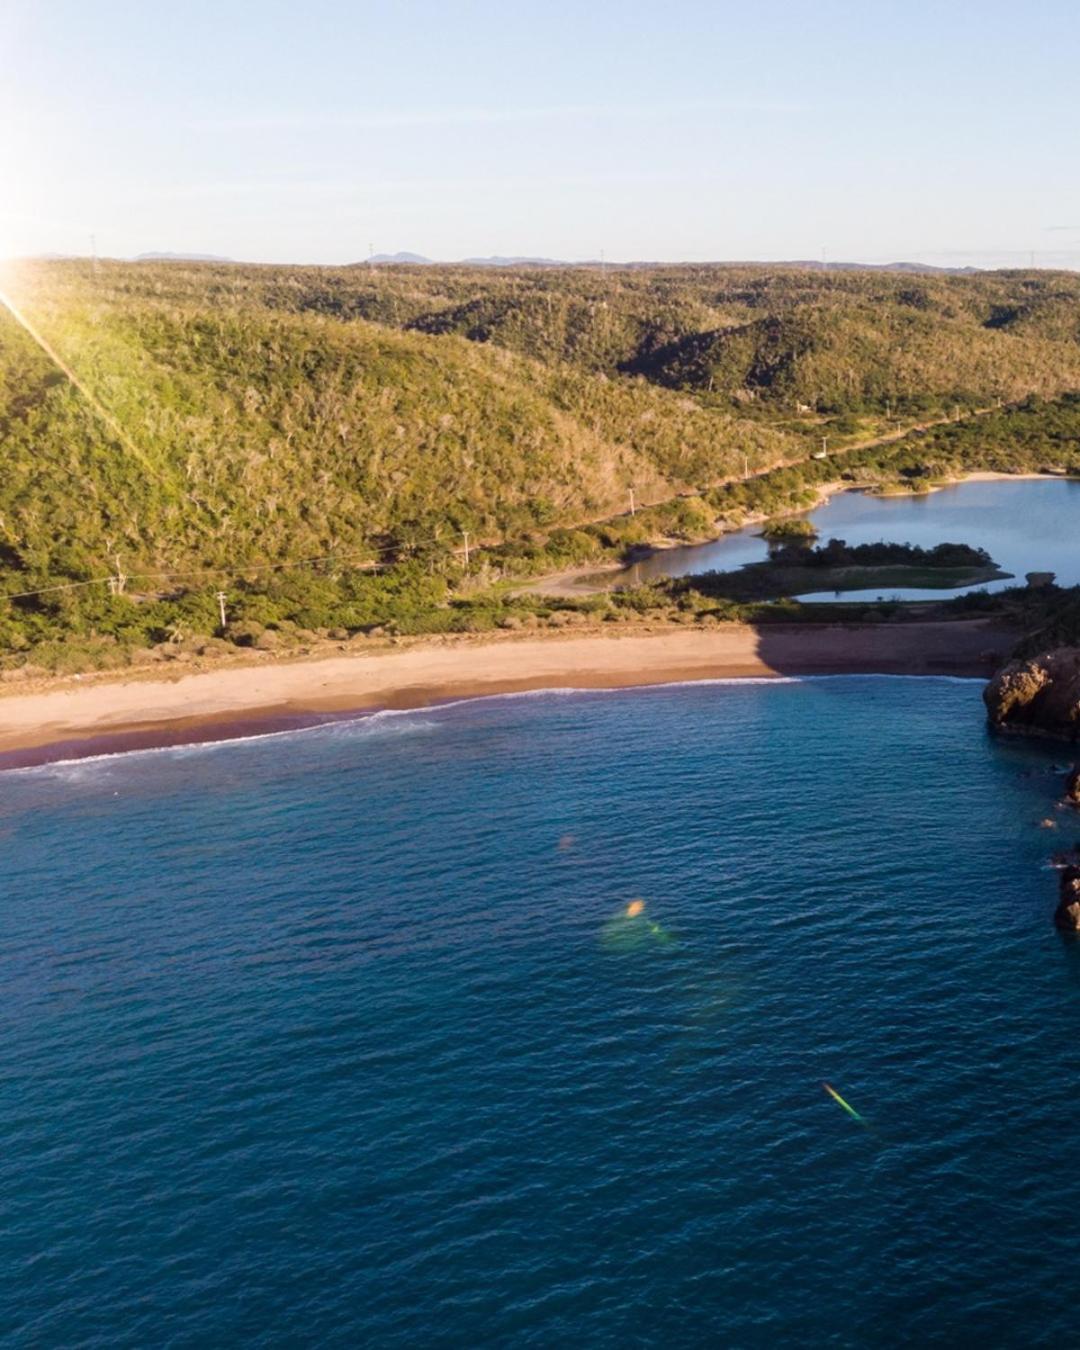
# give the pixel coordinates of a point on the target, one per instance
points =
(116, 715)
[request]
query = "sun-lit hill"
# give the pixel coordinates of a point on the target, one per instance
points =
(837, 341)
(852, 358)
(256, 431)
(232, 416)
(232, 423)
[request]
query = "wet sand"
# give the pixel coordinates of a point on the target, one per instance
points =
(104, 715)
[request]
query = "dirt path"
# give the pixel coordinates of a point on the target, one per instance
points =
(574, 581)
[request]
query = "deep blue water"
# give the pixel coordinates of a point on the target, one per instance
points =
(1031, 525)
(339, 1038)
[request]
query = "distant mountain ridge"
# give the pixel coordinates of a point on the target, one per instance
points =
(498, 261)
(406, 259)
(182, 257)
(381, 259)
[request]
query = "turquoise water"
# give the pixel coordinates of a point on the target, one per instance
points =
(339, 1038)
(1032, 525)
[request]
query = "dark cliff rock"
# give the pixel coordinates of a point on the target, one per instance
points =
(1041, 697)
(1067, 914)
(1038, 697)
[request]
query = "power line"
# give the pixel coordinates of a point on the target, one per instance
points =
(369, 555)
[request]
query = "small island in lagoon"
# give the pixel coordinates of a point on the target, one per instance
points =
(796, 568)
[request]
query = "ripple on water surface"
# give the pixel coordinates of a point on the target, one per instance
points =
(347, 1036)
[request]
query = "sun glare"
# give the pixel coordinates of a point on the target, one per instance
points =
(54, 356)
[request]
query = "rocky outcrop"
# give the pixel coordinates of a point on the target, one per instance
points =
(1041, 697)
(1067, 914)
(1038, 697)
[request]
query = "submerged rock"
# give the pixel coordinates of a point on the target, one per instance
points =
(1038, 697)
(1067, 914)
(1072, 786)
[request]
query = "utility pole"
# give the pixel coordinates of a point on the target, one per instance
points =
(220, 597)
(465, 536)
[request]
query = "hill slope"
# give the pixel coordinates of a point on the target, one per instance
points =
(252, 433)
(270, 414)
(231, 424)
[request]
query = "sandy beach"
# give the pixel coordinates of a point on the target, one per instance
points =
(105, 715)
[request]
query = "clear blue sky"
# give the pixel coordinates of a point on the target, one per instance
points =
(692, 129)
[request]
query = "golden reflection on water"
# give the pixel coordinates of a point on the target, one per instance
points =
(632, 930)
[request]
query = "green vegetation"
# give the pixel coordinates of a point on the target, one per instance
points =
(1049, 616)
(795, 569)
(318, 442)
(780, 533)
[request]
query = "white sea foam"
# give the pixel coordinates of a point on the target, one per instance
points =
(363, 724)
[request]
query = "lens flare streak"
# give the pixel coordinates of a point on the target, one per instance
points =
(840, 1102)
(58, 361)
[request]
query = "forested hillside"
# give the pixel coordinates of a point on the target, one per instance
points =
(255, 431)
(232, 418)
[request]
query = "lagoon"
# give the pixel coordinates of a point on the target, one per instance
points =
(1030, 525)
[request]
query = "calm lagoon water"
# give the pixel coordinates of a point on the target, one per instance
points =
(338, 1037)
(1032, 525)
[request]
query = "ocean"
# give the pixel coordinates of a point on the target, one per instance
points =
(355, 1035)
